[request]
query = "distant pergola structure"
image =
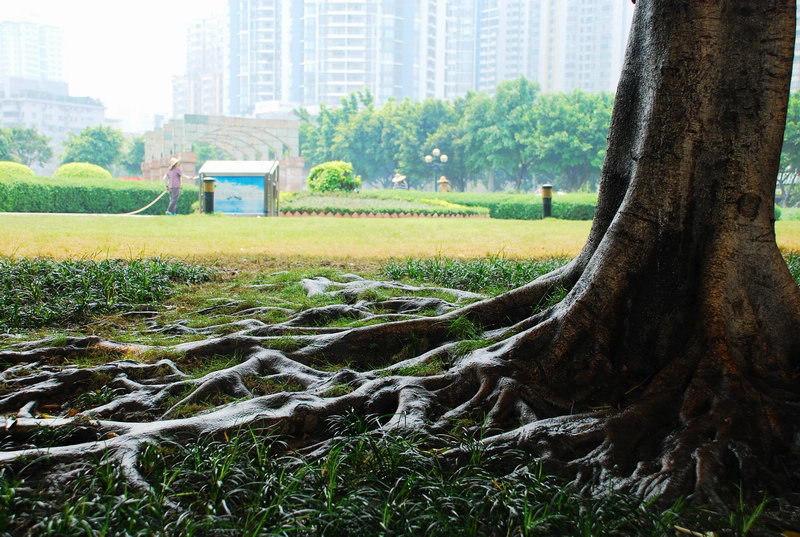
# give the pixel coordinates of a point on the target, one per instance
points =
(241, 138)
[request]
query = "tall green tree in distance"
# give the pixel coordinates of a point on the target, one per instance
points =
(361, 141)
(474, 123)
(318, 135)
(207, 152)
(97, 145)
(134, 156)
(505, 137)
(418, 123)
(5, 152)
(568, 134)
(790, 156)
(28, 147)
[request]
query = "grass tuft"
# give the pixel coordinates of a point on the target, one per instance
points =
(368, 483)
(492, 274)
(44, 292)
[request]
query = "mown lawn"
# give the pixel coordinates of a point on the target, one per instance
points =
(221, 238)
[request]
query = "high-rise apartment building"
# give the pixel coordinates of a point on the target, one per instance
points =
(282, 53)
(583, 44)
(262, 52)
(446, 47)
(200, 90)
(355, 45)
(509, 43)
(562, 44)
(30, 51)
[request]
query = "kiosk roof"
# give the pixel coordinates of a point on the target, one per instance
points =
(238, 168)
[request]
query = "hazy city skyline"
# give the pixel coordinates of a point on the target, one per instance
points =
(124, 54)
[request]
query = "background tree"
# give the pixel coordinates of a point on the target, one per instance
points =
(361, 141)
(5, 151)
(134, 156)
(475, 119)
(449, 138)
(419, 121)
(568, 136)
(790, 156)
(509, 123)
(318, 135)
(207, 152)
(28, 146)
(96, 145)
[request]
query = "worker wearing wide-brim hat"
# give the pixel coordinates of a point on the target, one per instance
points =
(444, 184)
(399, 182)
(173, 183)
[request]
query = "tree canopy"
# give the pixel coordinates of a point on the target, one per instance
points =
(102, 146)
(516, 133)
(132, 159)
(24, 145)
(788, 184)
(5, 150)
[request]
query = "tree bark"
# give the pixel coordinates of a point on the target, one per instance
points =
(685, 317)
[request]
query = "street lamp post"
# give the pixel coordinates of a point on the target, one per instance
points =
(436, 160)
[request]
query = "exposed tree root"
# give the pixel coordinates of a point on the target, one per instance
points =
(493, 389)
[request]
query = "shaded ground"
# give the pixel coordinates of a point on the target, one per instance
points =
(248, 345)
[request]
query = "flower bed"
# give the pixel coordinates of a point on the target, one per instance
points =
(420, 203)
(358, 205)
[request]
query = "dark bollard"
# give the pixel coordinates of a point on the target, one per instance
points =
(547, 201)
(208, 195)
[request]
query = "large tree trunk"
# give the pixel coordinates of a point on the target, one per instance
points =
(671, 367)
(685, 316)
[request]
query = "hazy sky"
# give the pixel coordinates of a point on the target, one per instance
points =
(123, 52)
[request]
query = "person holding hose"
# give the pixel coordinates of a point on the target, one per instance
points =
(173, 183)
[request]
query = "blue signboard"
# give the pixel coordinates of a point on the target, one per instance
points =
(239, 195)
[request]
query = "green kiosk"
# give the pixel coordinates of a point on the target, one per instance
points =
(240, 187)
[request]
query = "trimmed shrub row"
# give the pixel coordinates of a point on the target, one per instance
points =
(69, 195)
(386, 214)
(503, 205)
(348, 204)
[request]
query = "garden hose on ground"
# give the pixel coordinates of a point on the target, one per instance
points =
(146, 206)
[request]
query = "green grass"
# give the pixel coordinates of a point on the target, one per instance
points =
(237, 239)
(292, 240)
(264, 386)
(337, 390)
(246, 484)
(424, 369)
(491, 273)
(43, 292)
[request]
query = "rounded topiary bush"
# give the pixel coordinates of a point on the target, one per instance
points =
(10, 170)
(333, 176)
(81, 170)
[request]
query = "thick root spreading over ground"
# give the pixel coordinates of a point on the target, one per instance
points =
(427, 364)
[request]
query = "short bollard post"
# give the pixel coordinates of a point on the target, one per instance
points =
(208, 195)
(547, 201)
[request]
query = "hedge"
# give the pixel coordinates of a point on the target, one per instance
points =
(10, 169)
(42, 195)
(81, 170)
(577, 206)
(342, 203)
